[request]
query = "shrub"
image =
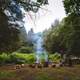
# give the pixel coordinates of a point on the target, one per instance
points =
(56, 57)
(17, 58)
(4, 58)
(26, 50)
(23, 58)
(20, 58)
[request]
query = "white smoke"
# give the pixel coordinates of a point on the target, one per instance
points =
(38, 44)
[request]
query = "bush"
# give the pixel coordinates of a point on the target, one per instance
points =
(20, 58)
(26, 50)
(56, 57)
(17, 58)
(23, 58)
(4, 58)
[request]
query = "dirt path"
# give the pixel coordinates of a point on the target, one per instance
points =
(27, 73)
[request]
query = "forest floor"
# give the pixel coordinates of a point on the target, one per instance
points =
(28, 73)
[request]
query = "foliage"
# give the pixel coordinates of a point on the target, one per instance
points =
(4, 58)
(9, 36)
(75, 24)
(65, 38)
(11, 21)
(27, 49)
(51, 40)
(72, 6)
(13, 8)
(56, 57)
(29, 58)
(19, 58)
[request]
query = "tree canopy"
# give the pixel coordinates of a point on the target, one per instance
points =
(72, 6)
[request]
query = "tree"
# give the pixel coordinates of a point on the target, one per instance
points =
(72, 6)
(51, 39)
(65, 38)
(8, 35)
(75, 23)
(11, 20)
